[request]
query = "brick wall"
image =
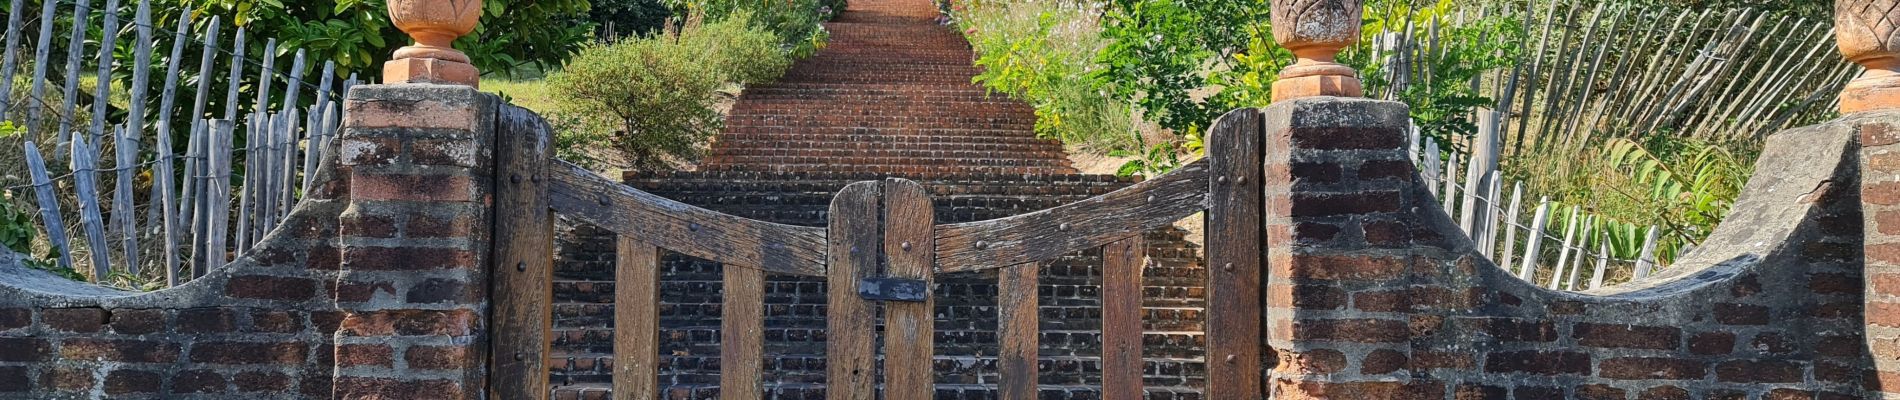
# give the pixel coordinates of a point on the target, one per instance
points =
(1374, 294)
(1880, 191)
(372, 289)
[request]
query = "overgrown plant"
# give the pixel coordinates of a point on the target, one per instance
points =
(652, 99)
(1043, 53)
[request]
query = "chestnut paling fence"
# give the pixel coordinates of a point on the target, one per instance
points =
(887, 224)
(131, 175)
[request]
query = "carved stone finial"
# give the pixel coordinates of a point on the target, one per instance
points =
(1315, 30)
(1868, 32)
(434, 24)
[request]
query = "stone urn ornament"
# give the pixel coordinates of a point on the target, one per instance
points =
(1316, 30)
(434, 24)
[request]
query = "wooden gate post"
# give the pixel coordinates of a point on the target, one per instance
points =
(1234, 256)
(523, 267)
(909, 323)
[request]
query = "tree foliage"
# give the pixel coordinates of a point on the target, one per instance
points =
(358, 35)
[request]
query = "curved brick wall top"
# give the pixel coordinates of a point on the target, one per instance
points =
(1374, 293)
(889, 94)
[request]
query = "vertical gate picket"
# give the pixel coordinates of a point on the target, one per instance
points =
(850, 355)
(1019, 329)
(636, 320)
(909, 325)
(524, 259)
(742, 333)
(1122, 261)
(1233, 256)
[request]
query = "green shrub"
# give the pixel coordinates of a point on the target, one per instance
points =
(796, 22)
(1043, 53)
(652, 99)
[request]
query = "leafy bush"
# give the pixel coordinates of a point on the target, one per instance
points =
(652, 99)
(1043, 53)
(796, 22)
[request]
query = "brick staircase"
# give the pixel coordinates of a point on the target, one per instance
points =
(889, 96)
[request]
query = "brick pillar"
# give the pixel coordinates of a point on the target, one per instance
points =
(1336, 175)
(414, 242)
(1880, 201)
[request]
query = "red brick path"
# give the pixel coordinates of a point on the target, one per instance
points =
(890, 93)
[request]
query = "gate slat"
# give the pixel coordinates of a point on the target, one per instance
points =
(636, 320)
(909, 326)
(524, 279)
(742, 333)
(1019, 330)
(1233, 285)
(1122, 261)
(850, 358)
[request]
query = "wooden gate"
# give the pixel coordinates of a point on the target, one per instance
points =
(887, 224)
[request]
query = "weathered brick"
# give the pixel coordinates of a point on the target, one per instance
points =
(1314, 361)
(20, 349)
(369, 151)
(1652, 368)
(1352, 330)
(67, 379)
(356, 355)
(1510, 329)
(426, 226)
(1353, 138)
(82, 320)
(409, 114)
(271, 288)
(352, 387)
(436, 357)
(1834, 283)
(1305, 204)
(1712, 343)
(1316, 172)
(1385, 169)
(1413, 299)
(137, 322)
(14, 380)
(1537, 362)
(1423, 360)
(358, 224)
(1311, 297)
(1741, 314)
(1600, 392)
(137, 351)
(406, 259)
(1758, 371)
(1883, 313)
(126, 381)
(206, 320)
(269, 321)
(289, 353)
(1627, 336)
(1887, 222)
(1771, 343)
(411, 323)
(14, 318)
(456, 153)
(261, 381)
(1664, 393)
(1382, 361)
(198, 381)
(366, 186)
(1340, 267)
(1874, 135)
(1534, 392)
(435, 290)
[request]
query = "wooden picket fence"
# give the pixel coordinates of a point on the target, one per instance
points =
(1472, 191)
(259, 158)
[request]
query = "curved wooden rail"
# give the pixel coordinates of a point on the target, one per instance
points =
(681, 227)
(1072, 227)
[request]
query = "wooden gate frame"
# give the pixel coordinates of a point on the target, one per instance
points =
(888, 222)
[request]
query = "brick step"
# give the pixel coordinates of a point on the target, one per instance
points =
(849, 107)
(883, 120)
(831, 182)
(912, 89)
(873, 142)
(1037, 156)
(604, 391)
(901, 137)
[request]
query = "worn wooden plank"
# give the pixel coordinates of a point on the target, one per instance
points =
(236, 77)
(524, 258)
(1646, 260)
(1018, 330)
(84, 165)
(125, 160)
(44, 192)
(1122, 262)
(164, 190)
(1534, 240)
(1582, 250)
(1564, 252)
(1603, 263)
(742, 334)
(909, 327)
(76, 45)
(219, 192)
(42, 56)
(1509, 226)
(698, 232)
(850, 338)
(248, 190)
(636, 320)
(102, 90)
(11, 63)
(1073, 227)
(265, 75)
(1235, 199)
(196, 177)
